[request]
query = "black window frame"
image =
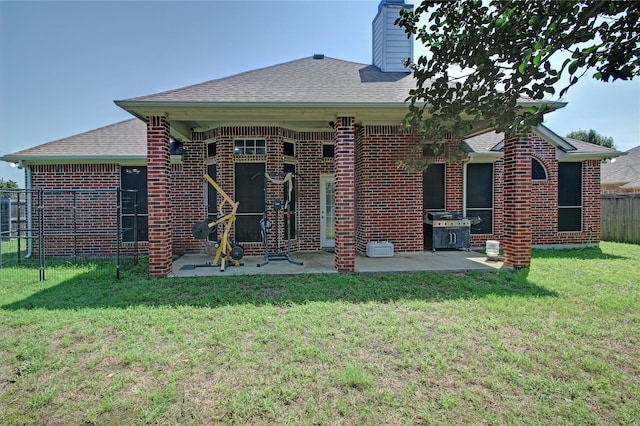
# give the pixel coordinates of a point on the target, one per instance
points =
(249, 193)
(288, 167)
(434, 188)
(212, 149)
(328, 150)
(479, 197)
(128, 208)
(212, 202)
(570, 203)
(538, 170)
(288, 148)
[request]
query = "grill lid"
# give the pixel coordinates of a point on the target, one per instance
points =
(443, 215)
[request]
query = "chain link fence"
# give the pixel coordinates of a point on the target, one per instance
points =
(47, 233)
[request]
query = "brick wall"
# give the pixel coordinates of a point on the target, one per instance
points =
(544, 201)
(77, 199)
(309, 166)
(387, 201)
(389, 198)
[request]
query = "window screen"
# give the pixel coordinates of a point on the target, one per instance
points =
(328, 150)
(249, 191)
(569, 196)
(538, 172)
(290, 168)
(479, 193)
(289, 149)
(134, 179)
(211, 150)
(212, 201)
(433, 188)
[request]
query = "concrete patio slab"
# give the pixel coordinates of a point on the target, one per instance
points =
(321, 262)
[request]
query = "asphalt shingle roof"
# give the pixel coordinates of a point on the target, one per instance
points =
(626, 169)
(124, 139)
(303, 80)
(488, 142)
(485, 142)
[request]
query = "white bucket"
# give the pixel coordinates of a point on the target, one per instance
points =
(493, 248)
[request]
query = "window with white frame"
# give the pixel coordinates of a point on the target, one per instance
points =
(250, 147)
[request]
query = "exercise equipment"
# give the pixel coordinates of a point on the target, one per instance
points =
(278, 206)
(227, 251)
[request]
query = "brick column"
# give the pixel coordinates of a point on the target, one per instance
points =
(591, 200)
(345, 250)
(517, 201)
(158, 197)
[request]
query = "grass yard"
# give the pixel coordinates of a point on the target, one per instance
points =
(556, 344)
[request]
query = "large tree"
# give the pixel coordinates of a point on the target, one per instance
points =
(592, 136)
(485, 57)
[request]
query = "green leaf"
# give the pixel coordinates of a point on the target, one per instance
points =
(573, 66)
(537, 59)
(521, 68)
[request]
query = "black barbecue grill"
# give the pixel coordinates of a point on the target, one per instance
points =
(444, 230)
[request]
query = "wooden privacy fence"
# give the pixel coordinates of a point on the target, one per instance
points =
(620, 218)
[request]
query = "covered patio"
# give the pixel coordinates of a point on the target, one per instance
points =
(322, 262)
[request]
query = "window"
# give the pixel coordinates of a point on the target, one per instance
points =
(433, 150)
(569, 197)
(211, 150)
(433, 188)
(479, 194)
(249, 191)
(289, 149)
(538, 172)
(328, 150)
(212, 201)
(133, 182)
(250, 147)
(290, 168)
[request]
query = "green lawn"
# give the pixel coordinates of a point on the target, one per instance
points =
(556, 344)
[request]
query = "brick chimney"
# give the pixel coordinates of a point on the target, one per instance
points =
(391, 46)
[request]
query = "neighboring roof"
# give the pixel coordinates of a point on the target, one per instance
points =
(124, 140)
(492, 144)
(322, 80)
(625, 171)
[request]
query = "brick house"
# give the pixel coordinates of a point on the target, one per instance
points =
(336, 125)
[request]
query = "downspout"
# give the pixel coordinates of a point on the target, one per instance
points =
(28, 188)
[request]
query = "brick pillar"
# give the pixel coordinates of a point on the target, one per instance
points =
(158, 197)
(345, 250)
(517, 201)
(591, 200)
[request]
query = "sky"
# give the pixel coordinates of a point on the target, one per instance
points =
(62, 64)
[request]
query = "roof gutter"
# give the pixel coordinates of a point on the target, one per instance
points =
(583, 156)
(73, 159)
